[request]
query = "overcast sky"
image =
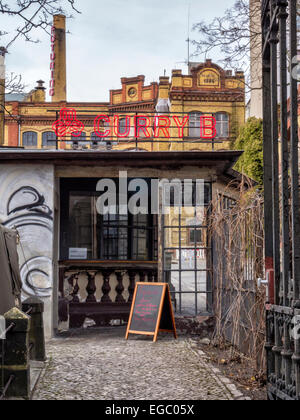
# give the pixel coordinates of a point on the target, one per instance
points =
(113, 39)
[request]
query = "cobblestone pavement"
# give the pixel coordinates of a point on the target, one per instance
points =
(102, 365)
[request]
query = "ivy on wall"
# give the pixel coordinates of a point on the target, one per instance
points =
(251, 141)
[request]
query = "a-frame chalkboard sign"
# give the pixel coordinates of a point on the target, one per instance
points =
(151, 310)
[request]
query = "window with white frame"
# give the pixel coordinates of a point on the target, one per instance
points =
(194, 124)
(222, 124)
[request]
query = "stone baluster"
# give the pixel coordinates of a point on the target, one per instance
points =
(120, 287)
(143, 275)
(131, 287)
(91, 287)
(76, 288)
(106, 287)
(150, 276)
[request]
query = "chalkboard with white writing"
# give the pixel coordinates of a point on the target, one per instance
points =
(151, 310)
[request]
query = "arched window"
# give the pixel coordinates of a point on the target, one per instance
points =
(222, 125)
(29, 139)
(122, 125)
(194, 124)
(49, 139)
(126, 128)
(143, 121)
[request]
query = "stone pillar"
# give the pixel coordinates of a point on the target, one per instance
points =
(16, 354)
(36, 331)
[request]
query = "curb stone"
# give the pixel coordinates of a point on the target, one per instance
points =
(235, 394)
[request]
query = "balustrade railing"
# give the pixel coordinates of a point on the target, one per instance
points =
(103, 292)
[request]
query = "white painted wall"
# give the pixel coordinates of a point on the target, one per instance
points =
(27, 203)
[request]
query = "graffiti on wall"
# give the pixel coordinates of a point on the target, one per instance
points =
(27, 206)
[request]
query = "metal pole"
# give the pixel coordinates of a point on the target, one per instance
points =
(268, 196)
(2, 94)
(294, 156)
(277, 349)
(282, 16)
(285, 212)
(275, 161)
(57, 139)
(295, 184)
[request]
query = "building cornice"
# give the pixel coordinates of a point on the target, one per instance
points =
(207, 96)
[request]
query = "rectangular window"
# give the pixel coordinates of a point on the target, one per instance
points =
(188, 255)
(227, 202)
(114, 237)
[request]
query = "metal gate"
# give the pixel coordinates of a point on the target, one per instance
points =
(282, 222)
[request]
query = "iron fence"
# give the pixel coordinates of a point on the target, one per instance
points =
(281, 182)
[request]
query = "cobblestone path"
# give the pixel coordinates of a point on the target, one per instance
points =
(101, 365)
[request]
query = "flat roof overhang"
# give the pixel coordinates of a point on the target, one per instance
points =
(222, 161)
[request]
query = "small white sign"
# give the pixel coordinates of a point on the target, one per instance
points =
(2, 328)
(78, 253)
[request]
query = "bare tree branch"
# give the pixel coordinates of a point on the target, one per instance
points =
(30, 16)
(233, 37)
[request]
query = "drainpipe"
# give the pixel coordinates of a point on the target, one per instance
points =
(2, 94)
(19, 131)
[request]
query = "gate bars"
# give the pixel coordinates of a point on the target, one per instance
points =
(281, 186)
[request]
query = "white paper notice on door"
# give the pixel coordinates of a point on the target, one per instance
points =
(78, 253)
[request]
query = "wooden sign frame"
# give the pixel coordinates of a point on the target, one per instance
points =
(165, 295)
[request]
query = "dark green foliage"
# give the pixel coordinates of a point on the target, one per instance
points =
(251, 141)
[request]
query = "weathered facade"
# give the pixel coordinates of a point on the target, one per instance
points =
(206, 90)
(83, 265)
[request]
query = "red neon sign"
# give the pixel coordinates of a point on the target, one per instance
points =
(181, 125)
(142, 124)
(52, 61)
(162, 124)
(97, 126)
(68, 124)
(208, 127)
(126, 133)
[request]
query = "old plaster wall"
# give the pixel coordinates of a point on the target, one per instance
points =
(187, 172)
(28, 197)
(27, 204)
